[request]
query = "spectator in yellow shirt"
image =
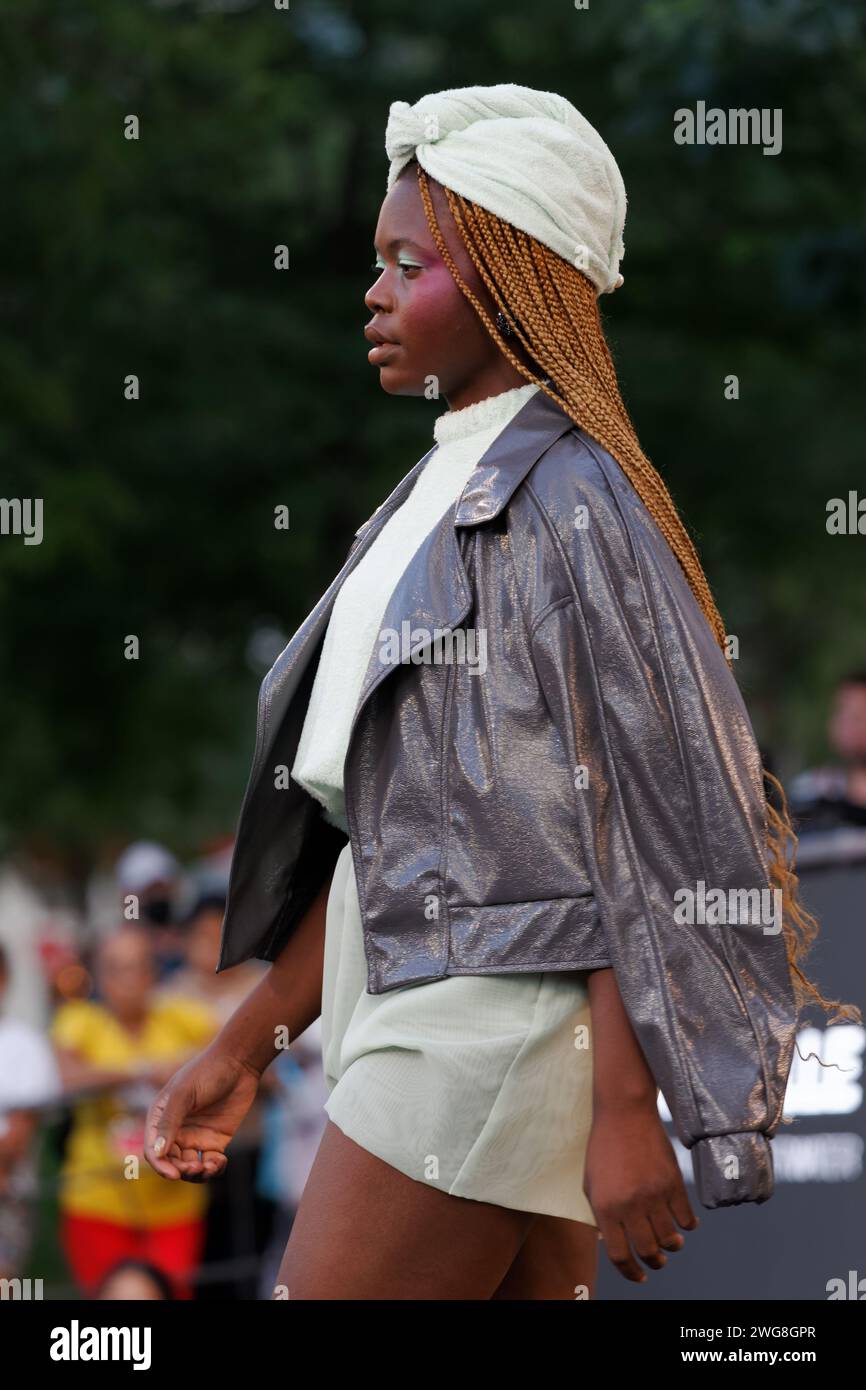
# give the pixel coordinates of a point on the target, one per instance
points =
(113, 1056)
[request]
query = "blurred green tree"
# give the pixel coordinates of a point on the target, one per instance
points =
(154, 257)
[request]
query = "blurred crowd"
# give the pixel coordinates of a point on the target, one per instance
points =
(134, 995)
(832, 796)
(126, 1005)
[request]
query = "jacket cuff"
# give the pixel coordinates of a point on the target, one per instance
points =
(733, 1168)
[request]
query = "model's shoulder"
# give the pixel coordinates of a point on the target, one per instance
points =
(576, 469)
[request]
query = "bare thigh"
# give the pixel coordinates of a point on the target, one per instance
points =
(558, 1259)
(364, 1230)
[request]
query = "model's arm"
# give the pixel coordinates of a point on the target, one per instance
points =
(202, 1107)
(289, 995)
(671, 823)
(621, 1078)
(631, 1179)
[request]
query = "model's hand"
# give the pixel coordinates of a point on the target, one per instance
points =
(633, 1183)
(200, 1109)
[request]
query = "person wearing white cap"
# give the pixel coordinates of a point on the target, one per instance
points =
(474, 1149)
(148, 875)
(145, 864)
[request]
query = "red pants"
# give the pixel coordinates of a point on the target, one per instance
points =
(93, 1246)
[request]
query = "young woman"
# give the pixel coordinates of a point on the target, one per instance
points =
(112, 1053)
(471, 872)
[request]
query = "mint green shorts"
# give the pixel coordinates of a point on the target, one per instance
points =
(478, 1084)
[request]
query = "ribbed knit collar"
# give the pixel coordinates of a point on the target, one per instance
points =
(485, 414)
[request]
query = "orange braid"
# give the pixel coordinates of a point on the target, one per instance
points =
(553, 308)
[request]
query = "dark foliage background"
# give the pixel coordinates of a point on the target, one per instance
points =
(261, 126)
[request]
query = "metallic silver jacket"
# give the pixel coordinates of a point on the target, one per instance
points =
(558, 810)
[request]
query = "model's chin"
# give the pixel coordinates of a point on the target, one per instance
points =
(398, 382)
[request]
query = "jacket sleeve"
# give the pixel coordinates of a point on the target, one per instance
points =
(670, 805)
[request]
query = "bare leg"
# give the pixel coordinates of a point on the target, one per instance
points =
(558, 1259)
(364, 1230)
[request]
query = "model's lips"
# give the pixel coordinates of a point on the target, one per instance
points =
(381, 353)
(382, 348)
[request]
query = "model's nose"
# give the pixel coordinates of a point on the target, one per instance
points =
(376, 298)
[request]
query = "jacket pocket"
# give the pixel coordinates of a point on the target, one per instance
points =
(547, 934)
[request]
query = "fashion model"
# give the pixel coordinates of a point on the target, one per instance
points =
(506, 830)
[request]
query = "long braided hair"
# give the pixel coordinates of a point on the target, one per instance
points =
(552, 309)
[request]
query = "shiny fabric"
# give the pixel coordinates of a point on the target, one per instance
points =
(546, 814)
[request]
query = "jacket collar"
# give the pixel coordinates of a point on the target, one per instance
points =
(499, 471)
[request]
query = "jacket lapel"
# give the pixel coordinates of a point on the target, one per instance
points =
(433, 592)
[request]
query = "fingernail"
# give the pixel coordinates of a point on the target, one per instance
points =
(159, 1145)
